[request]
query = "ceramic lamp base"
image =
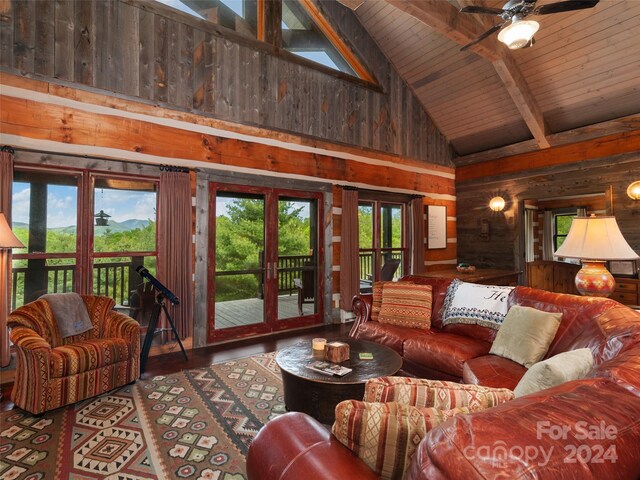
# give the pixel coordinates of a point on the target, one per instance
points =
(595, 280)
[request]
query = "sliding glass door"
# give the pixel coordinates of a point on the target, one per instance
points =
(264, 260)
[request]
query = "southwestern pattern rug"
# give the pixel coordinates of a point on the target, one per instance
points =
(196, 424)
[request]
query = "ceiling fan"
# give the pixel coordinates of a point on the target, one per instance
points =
(520, 32)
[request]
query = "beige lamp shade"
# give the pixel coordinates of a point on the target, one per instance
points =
(596, 238)
(7, 237)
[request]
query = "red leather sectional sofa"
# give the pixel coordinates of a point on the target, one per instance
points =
(585, 429)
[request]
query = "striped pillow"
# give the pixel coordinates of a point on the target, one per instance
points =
(386, 435)
(434, 393)
(376, 302)
(406, 305)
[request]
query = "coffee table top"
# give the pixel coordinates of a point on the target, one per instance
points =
(295, 358)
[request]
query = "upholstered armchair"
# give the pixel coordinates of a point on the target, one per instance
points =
(53, 371)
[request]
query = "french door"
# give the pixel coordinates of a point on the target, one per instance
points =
(265, 257)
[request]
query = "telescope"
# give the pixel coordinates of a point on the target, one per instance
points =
(144, 273)
(163, 293)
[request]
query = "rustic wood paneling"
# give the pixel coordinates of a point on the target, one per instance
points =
(69, 125)
(147, 50)
(504, 247)
(598, 148)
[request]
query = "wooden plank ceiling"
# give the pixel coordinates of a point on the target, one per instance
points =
(584, 69)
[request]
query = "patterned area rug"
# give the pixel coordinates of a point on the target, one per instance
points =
(196, 424)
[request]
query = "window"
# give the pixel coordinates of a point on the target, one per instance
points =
(303, 30)
(382, 236)
(77, 246)
(124, 237)
(240, 16)
(562, 224)
(302, 36)
(45, 218)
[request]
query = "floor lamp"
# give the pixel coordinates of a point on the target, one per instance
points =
(7, 241)
(595, 240)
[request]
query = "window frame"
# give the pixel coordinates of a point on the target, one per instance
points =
(272, 46)
(84, 255)
(378, 200)
(557, 235)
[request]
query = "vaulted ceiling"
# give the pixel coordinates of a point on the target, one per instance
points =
(583, 71)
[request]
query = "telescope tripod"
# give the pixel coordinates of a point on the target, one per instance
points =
(151, 330)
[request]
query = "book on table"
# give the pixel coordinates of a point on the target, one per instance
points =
(327, 368)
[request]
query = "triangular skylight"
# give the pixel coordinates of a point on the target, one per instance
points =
(306, 33)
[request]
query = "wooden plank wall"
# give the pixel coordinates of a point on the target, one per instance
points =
(145, 50)
(610, 175)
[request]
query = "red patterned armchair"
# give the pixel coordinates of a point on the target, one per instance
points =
(53, 371)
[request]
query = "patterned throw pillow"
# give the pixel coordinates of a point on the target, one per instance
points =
(376, 302)
(386, 435)
(474, 304)
(406, 305)
(434, 393)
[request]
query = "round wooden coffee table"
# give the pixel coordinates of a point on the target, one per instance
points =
(317, 394)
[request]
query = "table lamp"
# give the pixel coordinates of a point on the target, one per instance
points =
(595, 240)
(7, 241)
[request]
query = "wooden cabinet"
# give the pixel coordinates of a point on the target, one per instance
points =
(484, 276)
(627, 291)
(558, 277)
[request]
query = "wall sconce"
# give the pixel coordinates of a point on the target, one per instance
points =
(496, 204)
(633, 190)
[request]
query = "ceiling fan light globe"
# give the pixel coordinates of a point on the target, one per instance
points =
(519, 33)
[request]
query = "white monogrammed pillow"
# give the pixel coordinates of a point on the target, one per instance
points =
(475, 304)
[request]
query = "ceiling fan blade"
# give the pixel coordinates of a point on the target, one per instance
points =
(479, 9)
(567, 6)
(493, 29)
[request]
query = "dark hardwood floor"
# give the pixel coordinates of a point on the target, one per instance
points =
(200, 357)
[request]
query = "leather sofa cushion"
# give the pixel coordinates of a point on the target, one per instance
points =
(391, 336)
(493, 371)
(603, 325)
(444, 351)
(474, 331)
(88, 355)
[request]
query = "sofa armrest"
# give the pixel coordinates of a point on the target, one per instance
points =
(119, 325)
(29, 341)
(294, 446)
(361, 306)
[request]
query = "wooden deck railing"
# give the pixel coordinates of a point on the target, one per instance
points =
(113, 279)
(366, 263)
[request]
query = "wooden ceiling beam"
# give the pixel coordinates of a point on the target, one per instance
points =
(446, 20)
(618, 125)
(626, 142)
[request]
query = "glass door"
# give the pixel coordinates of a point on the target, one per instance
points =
(263, 261)
(239, 260)
(298, 257)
